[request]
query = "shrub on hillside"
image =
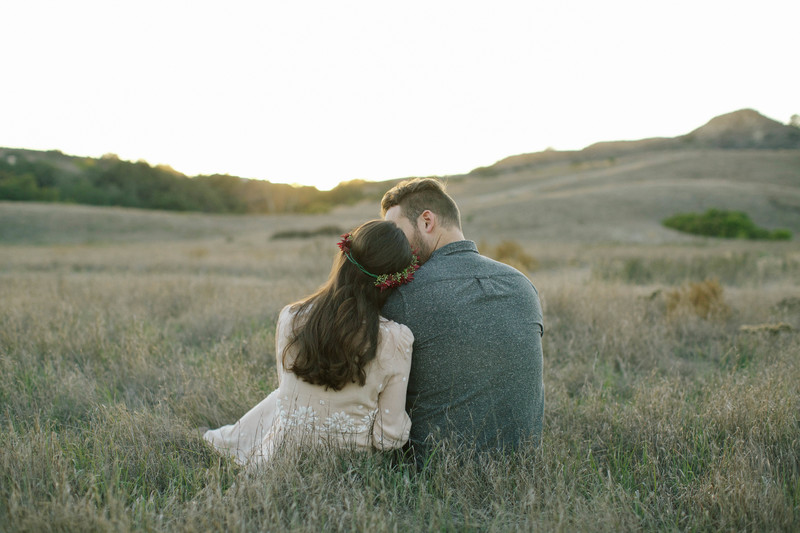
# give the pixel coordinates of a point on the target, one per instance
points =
(725, 224)
(780, 235)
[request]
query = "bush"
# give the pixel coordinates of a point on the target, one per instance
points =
(725, 224)
(780, 235)
(704, 299)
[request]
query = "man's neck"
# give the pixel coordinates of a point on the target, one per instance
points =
(448, 236)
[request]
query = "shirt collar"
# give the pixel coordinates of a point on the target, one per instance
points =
(455, 247)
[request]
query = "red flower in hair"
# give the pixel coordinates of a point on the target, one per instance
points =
(345, 243)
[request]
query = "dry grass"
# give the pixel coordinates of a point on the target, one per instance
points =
(774, 329)
(111, 355)
(626, 201)
(703, 298)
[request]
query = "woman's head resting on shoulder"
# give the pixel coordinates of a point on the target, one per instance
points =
(336, 328)
(381, 251)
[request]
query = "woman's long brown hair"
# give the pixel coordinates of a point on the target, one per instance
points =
(335, 330)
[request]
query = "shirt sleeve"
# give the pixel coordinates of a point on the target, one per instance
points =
(392, 423)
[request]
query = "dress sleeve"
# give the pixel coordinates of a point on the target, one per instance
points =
(282, 332)
(392, 424)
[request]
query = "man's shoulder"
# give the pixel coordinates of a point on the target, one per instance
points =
(458, 266)
(483, 266)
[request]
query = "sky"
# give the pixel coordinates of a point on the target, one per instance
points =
(320, 92)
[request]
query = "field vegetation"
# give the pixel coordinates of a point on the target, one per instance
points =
(671, 374)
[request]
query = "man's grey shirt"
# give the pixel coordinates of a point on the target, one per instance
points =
(476, 367)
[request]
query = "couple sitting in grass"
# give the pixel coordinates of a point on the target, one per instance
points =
(415, 337)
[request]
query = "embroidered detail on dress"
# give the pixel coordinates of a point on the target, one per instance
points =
(344, 423)
(302, 417)
(306, 419)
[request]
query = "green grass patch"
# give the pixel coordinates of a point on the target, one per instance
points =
(724, 224)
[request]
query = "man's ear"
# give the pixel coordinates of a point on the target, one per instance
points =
(427, 221)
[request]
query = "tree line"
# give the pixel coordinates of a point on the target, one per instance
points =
(109, 181)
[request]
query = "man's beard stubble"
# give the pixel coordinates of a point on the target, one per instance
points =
(423, 250)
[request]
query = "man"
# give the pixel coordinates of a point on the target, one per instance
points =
(476, 367)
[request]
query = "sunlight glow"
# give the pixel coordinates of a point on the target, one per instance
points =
(320, 92)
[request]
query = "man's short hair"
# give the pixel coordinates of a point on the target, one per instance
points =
(419, 194)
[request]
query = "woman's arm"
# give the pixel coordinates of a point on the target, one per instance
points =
(392, 424)
(282, 332)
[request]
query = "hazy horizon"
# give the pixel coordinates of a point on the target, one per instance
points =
(317, 94)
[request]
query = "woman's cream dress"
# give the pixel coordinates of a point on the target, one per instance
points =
(298, 413)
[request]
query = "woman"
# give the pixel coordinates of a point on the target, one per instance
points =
(342, 368)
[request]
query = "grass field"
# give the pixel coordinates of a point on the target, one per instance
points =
(121, 332)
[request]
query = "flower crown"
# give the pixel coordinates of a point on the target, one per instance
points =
(383, 281)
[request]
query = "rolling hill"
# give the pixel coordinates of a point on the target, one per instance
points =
(609, 192)
(620, 191)
(743, 129)
(624, 198)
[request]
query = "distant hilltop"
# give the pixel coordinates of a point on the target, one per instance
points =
(52, 176)
(745, 129)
